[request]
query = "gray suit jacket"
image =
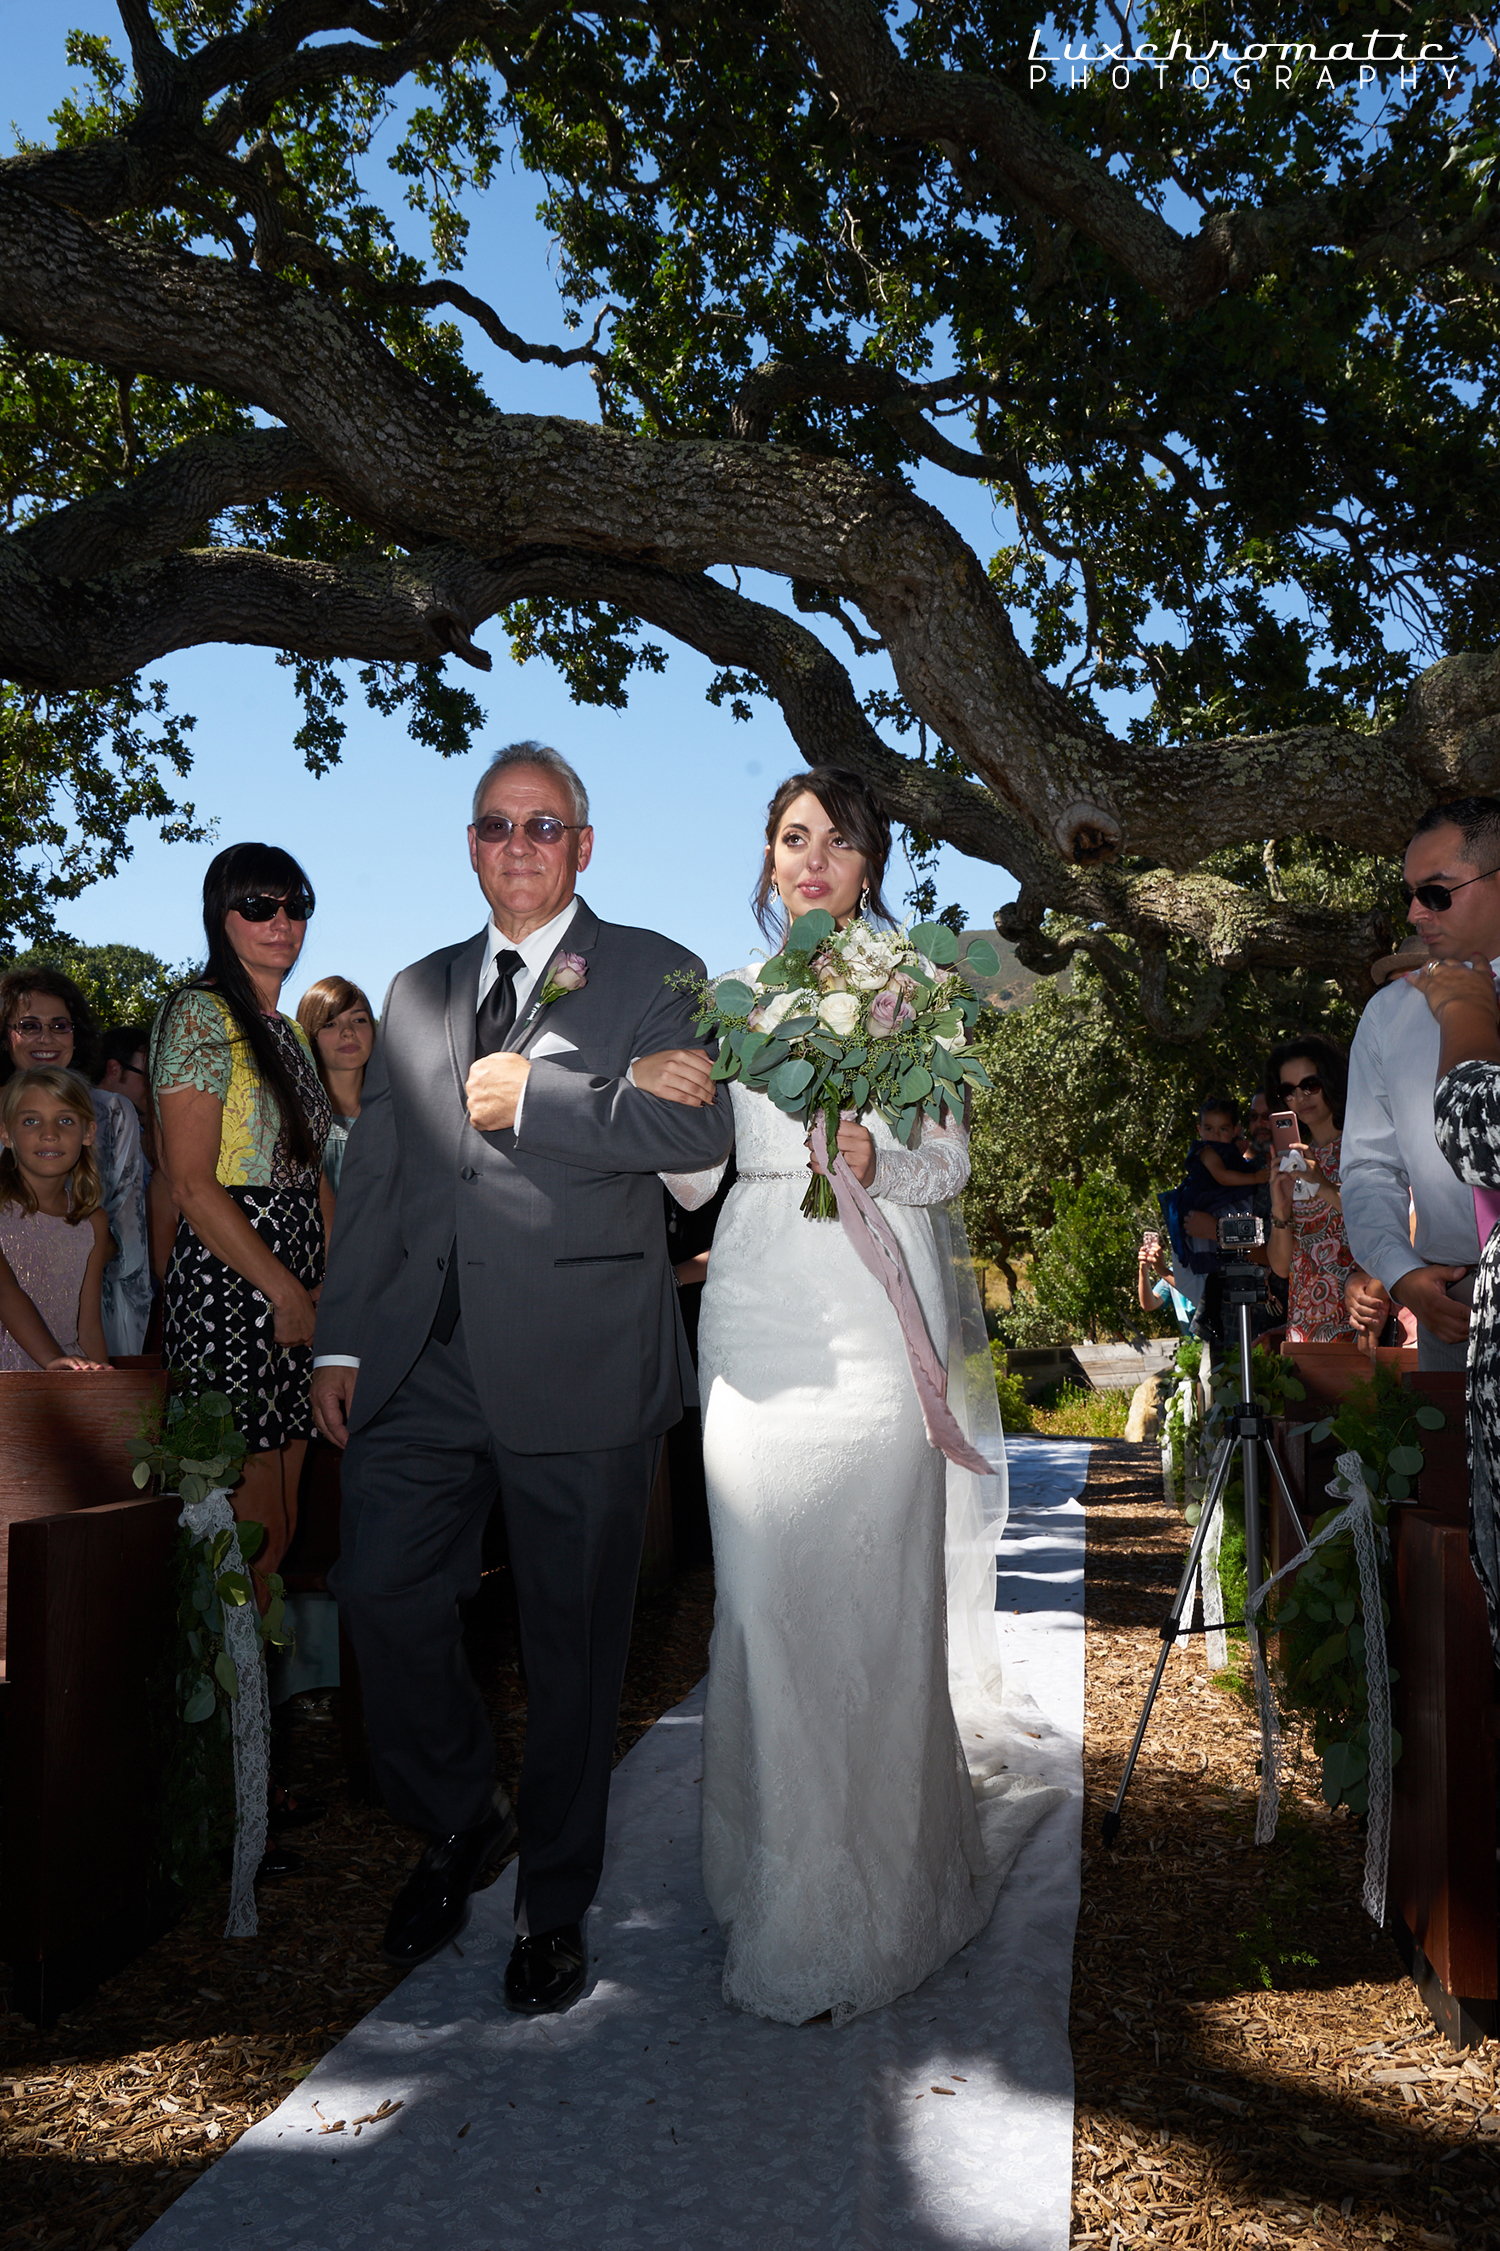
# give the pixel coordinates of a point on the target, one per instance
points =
(569, 1307)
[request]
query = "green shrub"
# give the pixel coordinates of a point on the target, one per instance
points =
(1015, 1407)
(1083, 1278)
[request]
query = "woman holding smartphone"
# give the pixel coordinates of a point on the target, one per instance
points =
(1309, 1077)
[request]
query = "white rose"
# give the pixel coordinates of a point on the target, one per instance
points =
(840, 1012)
(774, 1009)
(955, 1042)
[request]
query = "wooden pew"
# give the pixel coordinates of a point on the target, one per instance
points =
(64, 1444)
(90, 1612)
(79, 1620)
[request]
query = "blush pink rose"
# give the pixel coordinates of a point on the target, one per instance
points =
(888, 1012)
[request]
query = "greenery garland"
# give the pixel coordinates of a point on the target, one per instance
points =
(193, 1449)
(1320, 1637)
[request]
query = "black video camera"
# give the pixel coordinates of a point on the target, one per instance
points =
(1240, 1231)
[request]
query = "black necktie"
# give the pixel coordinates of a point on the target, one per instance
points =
(496, 1015)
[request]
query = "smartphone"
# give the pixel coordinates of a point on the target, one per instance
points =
(1286, 1133)
(1151, 1245)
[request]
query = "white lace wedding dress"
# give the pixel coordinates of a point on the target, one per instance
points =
(841, 1848)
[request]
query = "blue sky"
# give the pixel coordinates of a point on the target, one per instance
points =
(678, 788)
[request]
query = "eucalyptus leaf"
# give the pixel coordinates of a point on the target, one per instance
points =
(200, 1705)
(225, 1674)
(936, 941)
(1431, 1418)
(1406, 1460)
(790, 1080)
(810, 931)
(733, 997)
(981, 957)
(859, 1093)
(797, 1027)
(916, 1083)
(141, 1474)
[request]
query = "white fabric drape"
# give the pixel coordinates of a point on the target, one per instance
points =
(251, 1716)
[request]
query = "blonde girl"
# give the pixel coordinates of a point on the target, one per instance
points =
(54, 1236)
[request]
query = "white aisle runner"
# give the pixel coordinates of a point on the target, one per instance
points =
(650, 2114)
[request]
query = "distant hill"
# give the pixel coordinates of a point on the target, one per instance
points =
(1011, 986)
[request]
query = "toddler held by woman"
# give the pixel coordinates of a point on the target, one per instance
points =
(54, 1237)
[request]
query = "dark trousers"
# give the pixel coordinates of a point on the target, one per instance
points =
(419, 1481)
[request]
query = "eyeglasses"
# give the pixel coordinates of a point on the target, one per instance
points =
(32, 1025)
(259, 906)
(494, 828)
(1303, 1086)
(1437, 898)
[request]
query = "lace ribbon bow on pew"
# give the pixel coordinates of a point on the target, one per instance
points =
(1358, 1518)
(251, 1722)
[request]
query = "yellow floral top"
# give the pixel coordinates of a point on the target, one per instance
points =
(196, 1042)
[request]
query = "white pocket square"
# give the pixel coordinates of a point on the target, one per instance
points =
(549, 1043)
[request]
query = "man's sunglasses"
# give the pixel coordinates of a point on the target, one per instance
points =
(1302, 1086)
(494, 828)
(32, 1025)
(259, 906)
(1437, 898)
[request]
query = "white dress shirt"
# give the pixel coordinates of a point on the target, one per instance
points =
(1390, 1158)
(535, 952)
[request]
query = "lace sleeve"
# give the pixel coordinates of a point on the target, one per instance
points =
(932, 1173)
(693, 1189)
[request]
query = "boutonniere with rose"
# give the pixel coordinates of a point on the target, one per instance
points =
(852, 1020)
(568, 974)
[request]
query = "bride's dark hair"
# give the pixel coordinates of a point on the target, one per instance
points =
(858, 815)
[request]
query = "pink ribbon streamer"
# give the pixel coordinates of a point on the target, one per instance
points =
(876, 1248)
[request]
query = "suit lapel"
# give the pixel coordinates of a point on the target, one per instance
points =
(461, 1007)
(579, 936)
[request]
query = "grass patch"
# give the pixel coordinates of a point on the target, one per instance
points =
(1070, 1411)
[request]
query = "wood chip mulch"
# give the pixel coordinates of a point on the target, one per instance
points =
(1214, 2108)
(1253, 2066)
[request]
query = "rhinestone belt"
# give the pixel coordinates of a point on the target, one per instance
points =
(757, 1176)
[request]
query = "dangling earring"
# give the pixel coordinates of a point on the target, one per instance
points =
(864, 898)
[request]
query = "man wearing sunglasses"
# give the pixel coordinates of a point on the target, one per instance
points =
(499, 1315)
(1391, 1160)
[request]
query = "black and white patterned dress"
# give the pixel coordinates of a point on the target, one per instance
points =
(1466, 1114)
(218, 1327)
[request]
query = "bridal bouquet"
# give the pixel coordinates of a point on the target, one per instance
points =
(852, 1020)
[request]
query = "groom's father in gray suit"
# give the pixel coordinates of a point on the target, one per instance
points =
(499, 1313)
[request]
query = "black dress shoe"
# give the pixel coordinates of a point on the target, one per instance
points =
(433, 1904)
(547, 1972)
(279, 1860)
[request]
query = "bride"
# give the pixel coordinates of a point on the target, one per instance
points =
(841, 1847)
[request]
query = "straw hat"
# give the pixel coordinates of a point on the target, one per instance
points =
(1410, 954)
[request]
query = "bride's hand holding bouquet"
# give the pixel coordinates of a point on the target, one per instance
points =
(842, 1021)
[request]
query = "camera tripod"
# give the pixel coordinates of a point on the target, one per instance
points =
(1244, 1288)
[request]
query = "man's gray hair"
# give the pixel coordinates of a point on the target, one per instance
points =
(550, 762)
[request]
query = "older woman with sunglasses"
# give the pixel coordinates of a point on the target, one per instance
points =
(1309, 1245)
(243, 1122)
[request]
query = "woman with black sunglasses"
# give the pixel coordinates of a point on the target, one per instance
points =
(243, 1120)
(1309, 1076)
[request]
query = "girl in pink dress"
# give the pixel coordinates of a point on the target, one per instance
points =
(54, 1237)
